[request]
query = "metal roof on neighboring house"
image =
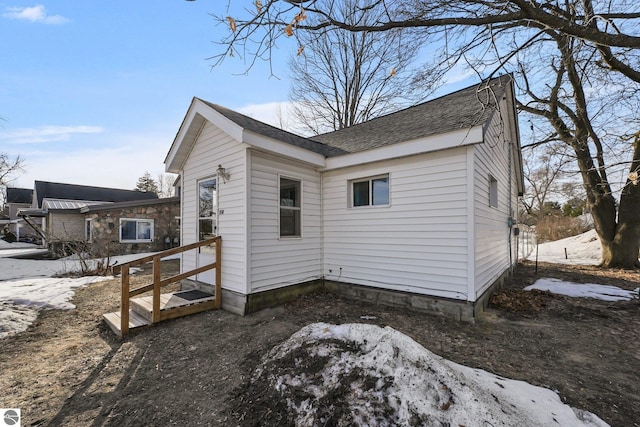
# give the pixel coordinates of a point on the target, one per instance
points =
(57, 204)
(136, 203)
(60, 191)
(463, 109)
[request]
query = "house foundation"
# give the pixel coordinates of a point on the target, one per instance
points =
(242, 304)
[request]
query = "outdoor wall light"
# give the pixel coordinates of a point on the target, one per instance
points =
(222, 173)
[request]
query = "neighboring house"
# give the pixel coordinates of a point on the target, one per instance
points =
(133, 227)
(20, 198)
(416, 207)
(59, 206)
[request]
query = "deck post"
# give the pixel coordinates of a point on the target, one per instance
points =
(155, 315)
(124, 300)
(218, 294)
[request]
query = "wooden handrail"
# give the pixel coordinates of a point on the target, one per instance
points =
(165, 253)
(158, 282)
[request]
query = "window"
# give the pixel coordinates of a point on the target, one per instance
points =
(207, 210)
(493, 192)
(290, 207)
(370, 191)
(88, 225)
(136, 230)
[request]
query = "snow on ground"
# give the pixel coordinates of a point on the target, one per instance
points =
(581, 249)
(20, 300)
(27, 286)
(397, 382)
(584, 290)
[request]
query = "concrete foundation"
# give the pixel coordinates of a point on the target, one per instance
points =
(242, 304)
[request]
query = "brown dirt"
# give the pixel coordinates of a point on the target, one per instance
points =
(70, 369)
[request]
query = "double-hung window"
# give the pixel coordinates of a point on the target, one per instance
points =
(290, 207)
(372, 191)
(134, 230)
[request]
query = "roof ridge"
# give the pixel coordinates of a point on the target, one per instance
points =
(484, 83)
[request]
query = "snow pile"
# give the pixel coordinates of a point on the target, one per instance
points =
(359, 374)
(581, 249)
(584, 290)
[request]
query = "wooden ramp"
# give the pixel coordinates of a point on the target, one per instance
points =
(172, 305)
(136, 313)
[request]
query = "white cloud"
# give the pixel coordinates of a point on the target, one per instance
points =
(36, 13)
(117, 162)
(44, 134)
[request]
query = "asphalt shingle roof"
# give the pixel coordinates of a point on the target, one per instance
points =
(19, 195)
(55, 190)
(275, 133)
(463, 109)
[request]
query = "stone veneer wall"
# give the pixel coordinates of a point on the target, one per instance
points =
(106, 229)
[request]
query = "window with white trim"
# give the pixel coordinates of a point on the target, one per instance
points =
(493, 192)
(372, 191)
(290, 207)
(134, 230)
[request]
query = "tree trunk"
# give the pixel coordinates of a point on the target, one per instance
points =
(622, 251)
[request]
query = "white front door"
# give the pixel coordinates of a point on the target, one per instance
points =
(207, 226)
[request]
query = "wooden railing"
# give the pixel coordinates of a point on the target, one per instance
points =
(158, 282)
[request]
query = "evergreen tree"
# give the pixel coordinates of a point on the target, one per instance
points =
(147, 184)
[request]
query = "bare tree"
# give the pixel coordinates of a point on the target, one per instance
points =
(9, 167)
(343, 78)
(576, 64)
(546, 176)
(165, 185)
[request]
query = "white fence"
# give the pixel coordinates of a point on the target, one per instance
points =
(526, 240)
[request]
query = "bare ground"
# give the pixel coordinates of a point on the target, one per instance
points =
(70, 369)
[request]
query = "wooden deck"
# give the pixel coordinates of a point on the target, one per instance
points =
(172, 305)
(136, 313)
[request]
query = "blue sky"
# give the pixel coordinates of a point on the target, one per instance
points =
(94, 92)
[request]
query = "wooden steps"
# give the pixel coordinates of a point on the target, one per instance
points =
(172, 305)
(135, 321)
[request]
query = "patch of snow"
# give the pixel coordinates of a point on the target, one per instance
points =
(22, 299)
(416, 385)
(4, 245)
(581, 249)
(584, 290)
(27, 286)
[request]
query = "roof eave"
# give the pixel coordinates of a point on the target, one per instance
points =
(197, 115)
(443, 141)
(283, 149)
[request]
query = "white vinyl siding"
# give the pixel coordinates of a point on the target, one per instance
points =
(276, 261)
(214, 148)
(418, 243)
(491, 160)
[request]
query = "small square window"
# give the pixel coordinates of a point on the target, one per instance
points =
(493, 192)
(370, 191)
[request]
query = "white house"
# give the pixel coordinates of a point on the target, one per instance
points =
(417, 207)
